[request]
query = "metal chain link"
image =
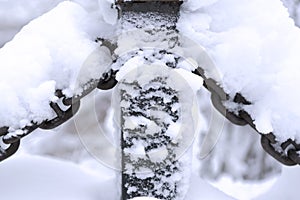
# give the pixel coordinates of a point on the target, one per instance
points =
(107, 81)
(288, 152)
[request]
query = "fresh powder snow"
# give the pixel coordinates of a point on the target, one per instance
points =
(54, 51)
(253, 45)
(255, 55)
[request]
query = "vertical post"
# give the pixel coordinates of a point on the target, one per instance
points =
(151, 101)
(148, 158)
(157, 129)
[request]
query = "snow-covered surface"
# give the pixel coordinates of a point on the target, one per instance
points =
(34, 178)
(13, 18)
(176, 119)
(101, 180)
(54, 51)
(18, 13)
(244, 190)
(286, 187)
(253, 44)
(255, 55)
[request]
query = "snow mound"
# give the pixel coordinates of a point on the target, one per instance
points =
(256, 54)
(33, 177)
(48, 54)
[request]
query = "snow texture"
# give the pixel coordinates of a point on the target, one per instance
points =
(33, 178)
(158, 123)
(13, 18)
(54, 51)
(254, 46)
(256, 54)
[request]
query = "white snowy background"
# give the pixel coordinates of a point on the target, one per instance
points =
(254, 44)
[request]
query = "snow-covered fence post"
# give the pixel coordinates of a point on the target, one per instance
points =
(150, 108)
(154, 102)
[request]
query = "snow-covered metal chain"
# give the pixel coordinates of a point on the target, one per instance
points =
(12, 141)
(286, 152)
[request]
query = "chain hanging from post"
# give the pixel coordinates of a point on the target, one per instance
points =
(13, 140)
(287, 153)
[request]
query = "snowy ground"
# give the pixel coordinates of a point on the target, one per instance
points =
(256, 54)
(35, 178)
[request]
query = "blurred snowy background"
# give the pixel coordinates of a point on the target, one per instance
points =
(55, 164)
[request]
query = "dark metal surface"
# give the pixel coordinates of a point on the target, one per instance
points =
(169, 7)
(108, 80)
(62, 115)
(6, 153)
